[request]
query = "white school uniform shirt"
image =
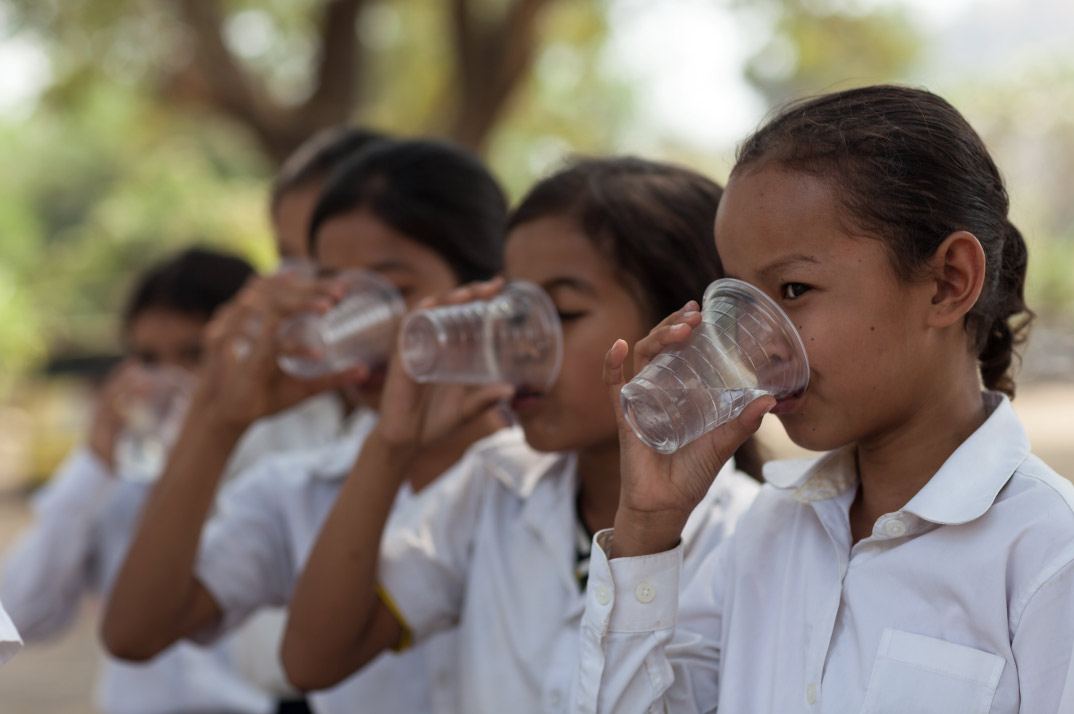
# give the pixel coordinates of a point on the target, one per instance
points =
(961, 602)
(314, 422)
(85, 521)
(10, 641)
(493, 556)
(253, 550)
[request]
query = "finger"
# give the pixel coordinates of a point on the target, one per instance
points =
(659, 340)
(726, 440)
(477, 401)
(689, 313)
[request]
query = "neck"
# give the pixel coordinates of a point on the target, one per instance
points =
(598, 476)
(439, 458)
(896, 465)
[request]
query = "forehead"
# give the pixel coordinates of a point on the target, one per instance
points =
(157, 328)
(359, 239)
(768, 213)
(554, 246)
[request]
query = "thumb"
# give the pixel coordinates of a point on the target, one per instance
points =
(725, 441)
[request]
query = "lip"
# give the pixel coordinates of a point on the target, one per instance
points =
(526, 401)
(787, 404)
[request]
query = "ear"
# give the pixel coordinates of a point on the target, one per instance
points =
(958, 275)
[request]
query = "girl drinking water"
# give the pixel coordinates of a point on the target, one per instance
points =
(926, 562)
(499, 553)
(425, 216)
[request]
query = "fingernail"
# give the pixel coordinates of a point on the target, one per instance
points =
(689, 313)
(691, 306)
(680, 326)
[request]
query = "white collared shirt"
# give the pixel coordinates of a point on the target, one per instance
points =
(86, 518)
(10, 641)
(961, 602)
(493, 554)
(254, 547)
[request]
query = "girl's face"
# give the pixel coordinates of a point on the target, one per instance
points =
(594, 309)
(161, 337)
(864, 329)
(361, 240)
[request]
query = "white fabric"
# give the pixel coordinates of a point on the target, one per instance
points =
(253, 549)
(10, 641)
(493, 553)
(961, 602)
(85, 520)
(314, 423)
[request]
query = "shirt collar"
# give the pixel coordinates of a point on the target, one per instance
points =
(962, 490)
(333, 461)
(967, 484)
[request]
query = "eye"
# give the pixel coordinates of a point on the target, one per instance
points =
(569, 316)
(793, 291)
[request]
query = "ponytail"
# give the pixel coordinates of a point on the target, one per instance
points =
(1004, 334)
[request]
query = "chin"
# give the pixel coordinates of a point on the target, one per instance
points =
(808, 434)
(542, 437)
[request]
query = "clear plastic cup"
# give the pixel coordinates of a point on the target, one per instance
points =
(745, 347)
(515, 337)
(359, 330)
(153, 412)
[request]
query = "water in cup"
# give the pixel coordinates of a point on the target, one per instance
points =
(515, 337)
(745, 347)
(153, 413)
(359, 330)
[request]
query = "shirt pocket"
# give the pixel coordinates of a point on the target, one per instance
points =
(925, 675)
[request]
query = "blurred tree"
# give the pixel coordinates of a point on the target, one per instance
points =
(815, 46)
(122, 160)
(286, 69)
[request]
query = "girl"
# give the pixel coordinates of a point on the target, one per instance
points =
(926, 563)
(424, 215)
(500, 549)
(86, 516)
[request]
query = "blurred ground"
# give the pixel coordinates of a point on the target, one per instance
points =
(57, 677)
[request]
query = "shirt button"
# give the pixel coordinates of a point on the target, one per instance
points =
(645, 592)
(602, 594)
(811, 693)
(555, 699)
(895, 528)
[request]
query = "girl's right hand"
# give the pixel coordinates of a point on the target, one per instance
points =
(659, 491)
(239, 380)
(415, 416)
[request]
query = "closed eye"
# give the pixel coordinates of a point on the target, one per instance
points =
(569, 316)
(793, 291)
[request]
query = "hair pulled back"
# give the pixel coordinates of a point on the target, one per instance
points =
(906, 167)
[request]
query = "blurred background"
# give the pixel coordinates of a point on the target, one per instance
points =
(128, 128)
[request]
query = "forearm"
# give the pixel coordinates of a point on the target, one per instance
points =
(337, 623)
(148, 607)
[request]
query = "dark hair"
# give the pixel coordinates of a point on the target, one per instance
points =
(195, 282)
(908, 168)
(437, 194)
(654, 221)
(317, 157)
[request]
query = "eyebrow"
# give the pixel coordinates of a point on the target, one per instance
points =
(786, 262)
(386, 266)
(568, 282)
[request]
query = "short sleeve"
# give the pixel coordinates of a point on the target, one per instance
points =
(243, 559)
(425, 555)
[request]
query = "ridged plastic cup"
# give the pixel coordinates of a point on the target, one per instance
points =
(359, 330)
(515, 337)
(745, 347)
(152, 418)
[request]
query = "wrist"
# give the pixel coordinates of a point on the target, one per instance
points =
(646, 532)
(394, 456)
